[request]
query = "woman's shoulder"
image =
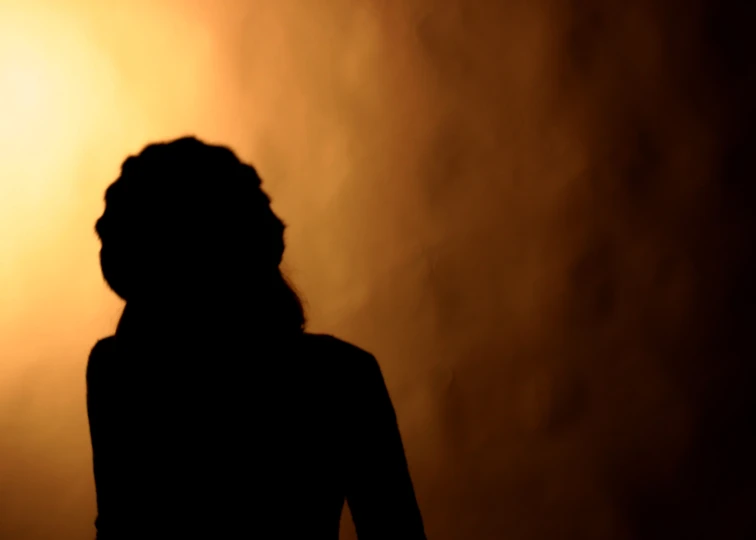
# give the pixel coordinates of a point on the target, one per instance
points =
(100, 356)
(332, 346)
(347, 358)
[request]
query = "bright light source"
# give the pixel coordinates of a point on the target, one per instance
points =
(56, 90)
(26, 93)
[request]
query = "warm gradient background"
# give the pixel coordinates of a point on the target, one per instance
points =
(535, 213)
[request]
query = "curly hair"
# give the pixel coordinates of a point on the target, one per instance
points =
(190, 218)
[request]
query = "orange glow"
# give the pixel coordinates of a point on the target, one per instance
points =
(56, 91)
(519, 207)
(75, 99)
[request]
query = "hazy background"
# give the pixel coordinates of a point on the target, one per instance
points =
(537, 214)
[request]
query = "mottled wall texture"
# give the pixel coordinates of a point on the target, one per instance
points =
(537, 214)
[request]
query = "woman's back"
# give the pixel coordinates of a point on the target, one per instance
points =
(211, 411)
(261, 439)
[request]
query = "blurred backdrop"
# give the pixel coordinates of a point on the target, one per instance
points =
(537, 214)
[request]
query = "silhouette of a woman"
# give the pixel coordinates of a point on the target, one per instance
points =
(212, 413)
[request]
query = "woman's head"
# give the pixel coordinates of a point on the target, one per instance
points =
(189, 220)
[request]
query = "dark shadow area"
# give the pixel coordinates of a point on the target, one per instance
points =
(212, 411)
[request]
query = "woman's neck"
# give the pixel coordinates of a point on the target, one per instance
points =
(162, 318)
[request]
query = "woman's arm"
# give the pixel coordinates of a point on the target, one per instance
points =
(379, 489)
(100, 412)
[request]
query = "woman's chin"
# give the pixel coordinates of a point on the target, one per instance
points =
(114, 274)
